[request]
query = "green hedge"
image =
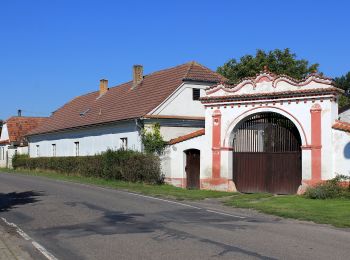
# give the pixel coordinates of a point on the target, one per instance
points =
(116, 165)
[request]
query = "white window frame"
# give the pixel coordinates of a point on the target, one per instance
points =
(37, 150)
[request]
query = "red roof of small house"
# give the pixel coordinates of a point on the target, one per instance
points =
(19, 126)
(125, 102)
(340, 125)
(187, 137)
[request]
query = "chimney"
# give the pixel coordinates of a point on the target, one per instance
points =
(19, 112)
(103, 86)
(137, 75)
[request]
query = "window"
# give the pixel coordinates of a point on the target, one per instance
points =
(37, 150)
(53, 150)
(196, 93)
(124, 143)
(76, 148)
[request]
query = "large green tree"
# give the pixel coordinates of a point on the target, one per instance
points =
(343, 82)
(277, 61)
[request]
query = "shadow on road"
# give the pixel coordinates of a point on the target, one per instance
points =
(9, 201)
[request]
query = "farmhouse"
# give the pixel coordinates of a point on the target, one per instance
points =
(112, 118)
(12, 138)
(269, 133)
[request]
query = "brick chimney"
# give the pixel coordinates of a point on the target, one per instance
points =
(103, 86)
(137, 75)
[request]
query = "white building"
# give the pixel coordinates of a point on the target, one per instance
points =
(266, 134)
(12, 138)
(113, 117)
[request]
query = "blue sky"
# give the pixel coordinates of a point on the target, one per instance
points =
(52, 51)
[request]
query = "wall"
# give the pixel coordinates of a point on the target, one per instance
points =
(180, 103)
(345, 116)
(92, 140)
(3, 156)
(341, 152)
(174, 160)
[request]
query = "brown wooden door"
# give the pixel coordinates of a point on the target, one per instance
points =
(267, 155)
(193, 169)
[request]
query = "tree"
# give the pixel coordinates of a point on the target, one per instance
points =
(152, 140)
(277, 61)
(343, 82)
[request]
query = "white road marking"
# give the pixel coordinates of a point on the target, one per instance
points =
(42, 249)
(169, 201)
(225, 214)
(39, 247)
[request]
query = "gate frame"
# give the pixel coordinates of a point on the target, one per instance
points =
(227, 154)
(239, 120)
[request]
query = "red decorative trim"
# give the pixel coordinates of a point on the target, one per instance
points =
(275, 95)
(316, 145)
(216, 143)
(342, 126)
(187, 137)
(175, 182)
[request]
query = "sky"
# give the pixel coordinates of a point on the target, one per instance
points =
(54, 50)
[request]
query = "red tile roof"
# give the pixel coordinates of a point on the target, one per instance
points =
(340, 125)
(18, 127)
(124, 102)
(187, 137)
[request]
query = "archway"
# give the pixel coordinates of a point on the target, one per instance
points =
(192, 169)
(267, 154)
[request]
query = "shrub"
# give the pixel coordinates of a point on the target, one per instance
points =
(123, 165)
(330, 189)
(152, 140)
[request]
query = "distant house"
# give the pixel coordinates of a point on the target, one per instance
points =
(12, 138)
(112, 118)
(344, 114)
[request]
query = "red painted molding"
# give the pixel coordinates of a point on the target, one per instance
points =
(316, 145)
(216, 144)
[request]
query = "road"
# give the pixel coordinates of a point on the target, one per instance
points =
(75, 221)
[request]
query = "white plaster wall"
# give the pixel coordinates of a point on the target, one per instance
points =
(345, 116)
(91, 140)
(3, 156)
(341, 154)
(174, 158)
(180, 103)
(4, 133)
(170, 132)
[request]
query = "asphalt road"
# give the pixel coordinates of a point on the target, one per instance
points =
(74, 221)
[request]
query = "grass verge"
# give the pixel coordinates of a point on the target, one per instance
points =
(164, 190)
(329, 211)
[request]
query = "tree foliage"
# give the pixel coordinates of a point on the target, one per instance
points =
(152, 140)
(343, 82)
(277, 61)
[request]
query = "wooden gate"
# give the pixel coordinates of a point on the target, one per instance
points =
(193, 169)
(267, 155)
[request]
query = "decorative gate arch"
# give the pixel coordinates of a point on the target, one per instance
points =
(267, 154)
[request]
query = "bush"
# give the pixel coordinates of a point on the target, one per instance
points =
(115, 165)
(330, 189)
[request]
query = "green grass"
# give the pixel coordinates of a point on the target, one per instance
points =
(167, 191)
(330, 211)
